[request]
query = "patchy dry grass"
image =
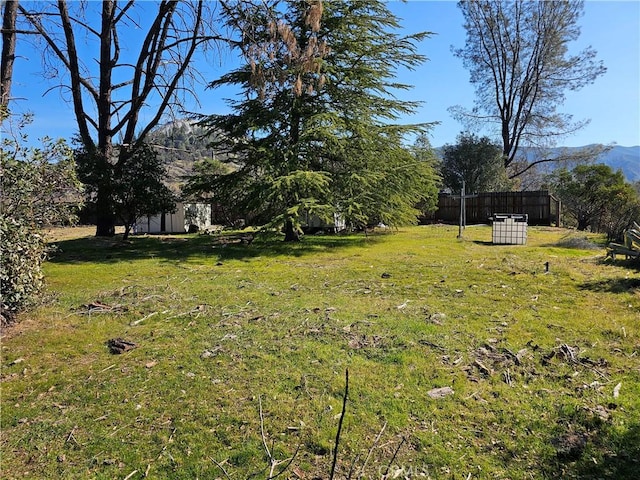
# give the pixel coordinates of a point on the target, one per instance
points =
(543, 366)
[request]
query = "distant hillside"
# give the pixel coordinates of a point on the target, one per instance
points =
(179, 145)
(626, 159)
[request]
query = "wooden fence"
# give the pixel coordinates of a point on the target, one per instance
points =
(541, 207)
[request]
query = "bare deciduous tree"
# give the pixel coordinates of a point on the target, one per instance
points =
(518, 56)
(120, 87)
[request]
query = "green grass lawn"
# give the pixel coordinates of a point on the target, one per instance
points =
(242, 349)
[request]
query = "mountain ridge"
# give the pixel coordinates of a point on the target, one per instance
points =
(618, 157)
(626, 159)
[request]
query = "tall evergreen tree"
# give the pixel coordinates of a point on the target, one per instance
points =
(313, 133)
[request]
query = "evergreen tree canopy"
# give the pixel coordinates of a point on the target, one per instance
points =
(476, 161)
(597, 197)
(139, 186)
(313, 133)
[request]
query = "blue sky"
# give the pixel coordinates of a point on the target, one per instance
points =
(612, 103)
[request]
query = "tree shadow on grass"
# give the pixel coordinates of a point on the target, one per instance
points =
(613, 285)
(189, 247)
(609, 454)
(484, 242)
(631, 263)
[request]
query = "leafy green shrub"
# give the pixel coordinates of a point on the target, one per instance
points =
(39, 188)
(596, 197)
(22, 252)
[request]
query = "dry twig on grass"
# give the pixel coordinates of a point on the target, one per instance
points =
(344, 409)
(273, 463)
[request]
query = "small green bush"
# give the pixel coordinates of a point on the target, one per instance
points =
(39, 188)
(22, 252)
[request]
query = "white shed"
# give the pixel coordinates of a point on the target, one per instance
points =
(314, 223)
(186, 214)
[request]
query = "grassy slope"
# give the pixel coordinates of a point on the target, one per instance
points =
(533, 359)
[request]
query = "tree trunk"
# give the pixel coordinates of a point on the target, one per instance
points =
(583, 223)
(105, 218)
(290, 233)
(105, 221)
(8, 51)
